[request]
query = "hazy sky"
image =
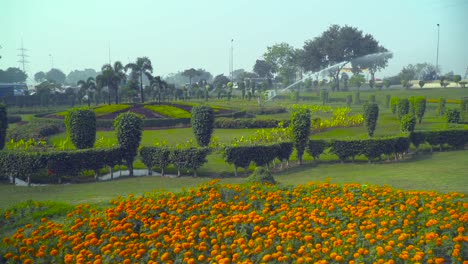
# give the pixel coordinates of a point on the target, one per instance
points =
(180, 34)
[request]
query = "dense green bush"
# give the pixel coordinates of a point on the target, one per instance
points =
(402, 107)
(11, 119)
(202, 124)
(80, 124)
(316, 147)
(285, 150)
(155, 156)
(188, 159)
(262, 175)
(129, 127)
(371, 114)
(239, 156)
(464, 109)
(420, 107)
(394, 101)
(37, 130)
(407, 123)
(346, 149)
(452, 116)
(3, 125)
(417, 138)
(456, 138)
(300, 122)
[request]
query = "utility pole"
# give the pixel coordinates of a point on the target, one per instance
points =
(23, 56)
(437, 57)
(231, 67)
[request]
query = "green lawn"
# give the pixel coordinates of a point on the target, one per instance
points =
(441, 171)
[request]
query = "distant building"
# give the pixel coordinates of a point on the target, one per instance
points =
(10, 89)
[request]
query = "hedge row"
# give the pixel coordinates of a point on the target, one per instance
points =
(349, 149)
(21, 164)
(183, 159)
(36, 129)
(160, 122)
(456, 138)
(247, 123)
(261, 155)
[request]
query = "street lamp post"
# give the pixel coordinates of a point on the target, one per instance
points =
(438, 37)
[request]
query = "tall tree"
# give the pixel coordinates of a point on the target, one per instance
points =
(56, 76)
(111, 77)
(283, 59)
(158, 85)
(12, 75)
(76, 75)
(140, 67)
(335, 47)
(88, 86)
(373, 64)
(40, 76)
(190, 73)
(220, 80)
(263, 69)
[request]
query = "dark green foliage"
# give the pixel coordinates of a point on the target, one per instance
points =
(417, 138)
(402, 107)
(284, 151)
(262, 175)
(371, 114)
(81, 127)
(37, 130)
(372, 98)
(129, 128)
(188, 159)
(13, 119)
(346, 149)
(407, 123)
(316, 147)
(387, 101)
(464, 109)
(155, 156)
(349, 100)
(372, 149)
(3, 125)
(324, 96)
(441, 107)
(394, 102)
(202, 124)
(160, 122)
(452, 116)
(401, 146)
(240, 156)
(420, 107)
(262, 155)
(357, 98)
(300, 122)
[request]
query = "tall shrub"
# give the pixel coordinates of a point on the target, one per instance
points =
(441, 107)
(3, 125)
(357, 98)
(394, 101)
(420, 107)
(324, 96)
(202, 124)
(407, 123)
(371, 114)
(129, 128)
(300, 122)
(402, 107)
(81, 127)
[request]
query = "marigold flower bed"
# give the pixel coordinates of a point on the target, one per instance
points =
(318, 222)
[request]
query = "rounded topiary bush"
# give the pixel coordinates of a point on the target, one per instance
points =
(129, 128)
(452, 116)
(81, 127)
(202, 122)
(262, 175)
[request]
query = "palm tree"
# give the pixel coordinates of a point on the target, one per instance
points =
(140, 67)
(157, 82)
(112, 77)
(87, 85)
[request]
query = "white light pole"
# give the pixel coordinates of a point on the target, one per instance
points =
(437, 57)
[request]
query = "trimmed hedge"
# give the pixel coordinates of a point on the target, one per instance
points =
(188, 159)
(316, 147)
(261, 155)
(456, 138)
(81, 127)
